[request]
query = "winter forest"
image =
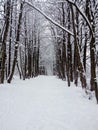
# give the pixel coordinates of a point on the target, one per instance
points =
(50, 40)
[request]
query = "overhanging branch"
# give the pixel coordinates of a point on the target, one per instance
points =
(48, 18)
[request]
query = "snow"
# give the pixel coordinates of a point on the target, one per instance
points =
(46, 103)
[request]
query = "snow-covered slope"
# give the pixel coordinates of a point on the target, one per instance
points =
(46, 103)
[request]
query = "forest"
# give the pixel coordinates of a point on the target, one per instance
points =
(50, 37)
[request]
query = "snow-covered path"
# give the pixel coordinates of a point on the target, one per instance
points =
(45, 103)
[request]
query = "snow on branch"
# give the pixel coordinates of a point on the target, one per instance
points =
(48, 18)
(82, 14)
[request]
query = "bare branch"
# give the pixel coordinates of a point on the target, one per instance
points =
(82, 14)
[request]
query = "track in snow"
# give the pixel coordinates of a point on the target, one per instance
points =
(45, 103)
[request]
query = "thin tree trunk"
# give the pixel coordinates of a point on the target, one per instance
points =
(10, 39)
(18, 69)
(69, 49)
(85, 51)
(25, 62)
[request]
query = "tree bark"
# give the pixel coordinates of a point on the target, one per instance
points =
(3, 48)
(16, 44)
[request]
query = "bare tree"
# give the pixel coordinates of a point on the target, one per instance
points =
(16, 43)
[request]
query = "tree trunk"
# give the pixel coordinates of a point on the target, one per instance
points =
(80, 65)
(69, 49)
(3, 48)
(16, 44)
(10, 41)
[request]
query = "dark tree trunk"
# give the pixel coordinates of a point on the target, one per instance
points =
(85, 51)
(10, 41)
(63, 45)
(25, 50)
(3, 48)
(69, 49)
(29, 60)
(16, 44)
(80, 65)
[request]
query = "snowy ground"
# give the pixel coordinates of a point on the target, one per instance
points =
(46, 103)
